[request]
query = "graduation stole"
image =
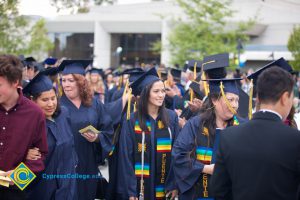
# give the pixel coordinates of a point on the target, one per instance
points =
(204, 154)
(163, 143)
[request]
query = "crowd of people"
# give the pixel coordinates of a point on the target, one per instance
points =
(197, 132)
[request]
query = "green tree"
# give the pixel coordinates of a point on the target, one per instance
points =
(206, 31)
(80, 6)
(20, 35)
(12, 27)
(294, 47)
(39, 43)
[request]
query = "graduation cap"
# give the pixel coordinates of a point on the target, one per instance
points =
(132, 70)
(143, 81)
(29, 61)
(38, 67)
(215, 61)
(74, 66)
(229, 85)
(217, 86)
(195, 86)
(176, 73)
(40, 83)
(96, 71)
(50, 61)
(281, 62)
(191, 65)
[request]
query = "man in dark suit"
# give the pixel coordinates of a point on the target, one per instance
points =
(260, 159)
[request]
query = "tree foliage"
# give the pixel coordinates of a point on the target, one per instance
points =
(206, 30)
(20, 35)
(294, 47)
(77, 6)
(12, 28)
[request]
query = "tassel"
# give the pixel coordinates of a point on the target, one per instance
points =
(128, 104)
(134, 107)
(126, 87)
(195, 72)
(191, 95)
(205, 84)
(59, 87)
(226, 100)
(250, 100)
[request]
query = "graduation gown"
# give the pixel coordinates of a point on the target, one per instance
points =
(127, 182)
(61, 160)
(188, 161)
(89, 154)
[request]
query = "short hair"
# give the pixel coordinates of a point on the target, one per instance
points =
(272, 83)
(11, 68)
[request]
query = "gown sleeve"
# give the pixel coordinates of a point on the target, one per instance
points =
(127, 183)
(105, 125)
(187, 169)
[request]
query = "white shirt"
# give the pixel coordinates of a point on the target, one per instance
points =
(271, 111)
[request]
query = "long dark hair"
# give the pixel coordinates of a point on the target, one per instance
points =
(57, 110)
(208, 114)
(142, 111)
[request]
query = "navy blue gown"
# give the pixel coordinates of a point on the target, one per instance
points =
(61, 160)
(189, 159)
(127, 182)
(89, 154)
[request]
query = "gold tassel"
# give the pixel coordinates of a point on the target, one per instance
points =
(195, 72)
(59, 87)
(205, 84)
(191, 95)
(120, 82)
(134, 107)
(128, 104)
(250, 100)
(159, 73)
(226, 100)
(126, 87)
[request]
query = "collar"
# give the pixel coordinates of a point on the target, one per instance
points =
(271, 111)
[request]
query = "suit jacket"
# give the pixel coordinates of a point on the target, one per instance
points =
(258, 160)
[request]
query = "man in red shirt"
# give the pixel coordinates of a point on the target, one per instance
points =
(22, 126)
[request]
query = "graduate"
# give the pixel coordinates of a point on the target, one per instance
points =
(97, 84)
(61, 158)
(145, 168)
(194, 149)
(85, 110)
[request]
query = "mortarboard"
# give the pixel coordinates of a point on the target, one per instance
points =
(215, 61)
(281, 62)
(50, 61)
(230, 85)
(40, 83)
(134, 73)
(176, 73)
(191, 65)
(74, 66)
(143, 81)
(96, 71)
(195, 86)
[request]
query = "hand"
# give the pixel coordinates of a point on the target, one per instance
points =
(6, 174)
(178, 112)
(195, 105)
(33, 154)
(133, 198)
(181, 122)
(208, 169)
(90, 136)
(172, 194)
